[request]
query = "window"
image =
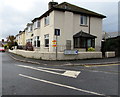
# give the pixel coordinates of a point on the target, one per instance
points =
(89, 43)
(37, 24)
(46, 20)
(81, 42)
(46, 40)
(93, 43)
(36, 41)
(76, 42)
(83, 20)
(30, 28)
(29, 40)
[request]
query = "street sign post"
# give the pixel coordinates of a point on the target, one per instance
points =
(56, 33)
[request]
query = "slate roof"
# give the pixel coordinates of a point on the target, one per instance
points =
(84, 34)
(71, 8)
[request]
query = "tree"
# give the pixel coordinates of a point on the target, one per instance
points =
(10, 41)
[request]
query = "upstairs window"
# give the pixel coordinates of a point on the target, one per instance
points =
(30, 28)
(83, 20)
(46, 20)
(37, 24)
(46, 40)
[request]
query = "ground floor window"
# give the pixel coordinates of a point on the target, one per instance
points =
(46, 40)
(82, 42)
(36, 41)
(29, 40)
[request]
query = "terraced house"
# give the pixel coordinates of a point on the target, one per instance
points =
(75, 27)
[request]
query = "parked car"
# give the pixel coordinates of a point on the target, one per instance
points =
(2, 49)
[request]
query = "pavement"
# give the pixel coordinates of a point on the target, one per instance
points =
(82, 62)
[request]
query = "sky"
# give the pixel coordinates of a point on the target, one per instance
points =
(15, 14)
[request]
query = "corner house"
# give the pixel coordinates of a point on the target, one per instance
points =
(67, 26)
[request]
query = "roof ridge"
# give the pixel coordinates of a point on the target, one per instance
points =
(89, 11)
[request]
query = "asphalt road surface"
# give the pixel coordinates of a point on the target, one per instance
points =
(20, 78)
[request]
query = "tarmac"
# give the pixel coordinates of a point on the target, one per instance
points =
(82, 62)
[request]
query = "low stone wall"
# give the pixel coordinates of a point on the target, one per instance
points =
(110, 54)
(52, 55)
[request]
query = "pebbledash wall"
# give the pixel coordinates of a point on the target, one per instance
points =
(52, 55)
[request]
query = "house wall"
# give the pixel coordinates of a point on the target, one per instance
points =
(23, 38)
(43, 30)
(20, 39)
(28, 35)
(69, 24)
(96, 29)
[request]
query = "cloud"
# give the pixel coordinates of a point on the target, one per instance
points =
(15, 14)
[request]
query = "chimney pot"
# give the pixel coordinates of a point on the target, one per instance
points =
(52, 4)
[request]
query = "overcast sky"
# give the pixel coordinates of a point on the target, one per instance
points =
(15, 14)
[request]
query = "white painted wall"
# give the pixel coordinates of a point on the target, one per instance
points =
(52, 55)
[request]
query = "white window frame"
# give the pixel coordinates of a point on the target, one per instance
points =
(37, 24)
(83, 20)
(47, 20)
(30, 28)
(36, 41)
(46, 37)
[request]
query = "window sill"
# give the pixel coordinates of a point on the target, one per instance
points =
(36, 47)
(36, 28)
(30, 31)
(84, 25)
(46, 25)
(46, 47)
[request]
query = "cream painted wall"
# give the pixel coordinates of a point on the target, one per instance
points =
(69, 24)
(43, 30)
(77, 27)
(65, 22)
(21, 38)
(96, 29)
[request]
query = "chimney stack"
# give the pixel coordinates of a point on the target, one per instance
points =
(52, 4)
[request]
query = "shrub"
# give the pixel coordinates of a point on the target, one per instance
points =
(91, 49)
(29, 46)
(5, 46)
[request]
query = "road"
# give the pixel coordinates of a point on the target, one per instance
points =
(20, 78)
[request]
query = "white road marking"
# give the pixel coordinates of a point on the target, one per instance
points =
(71, 73)
(61, 85)
(74, 75)
(52, 69)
